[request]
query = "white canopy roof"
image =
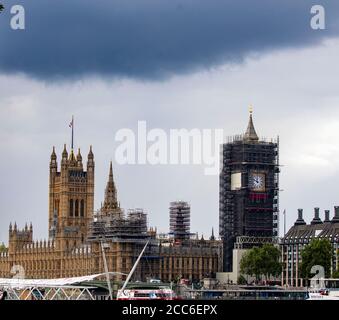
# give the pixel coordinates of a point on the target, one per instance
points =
(60, 282)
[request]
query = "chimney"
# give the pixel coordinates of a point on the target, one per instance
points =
(336, 214)
(316, 219)
(300, 220)
(327, 216)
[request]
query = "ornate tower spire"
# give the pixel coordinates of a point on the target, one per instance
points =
(53, 164)
(64, 153)
(110, 202)
(90, 154)
(53, 155)
(79, 158)
(212, 238)
(250, 134)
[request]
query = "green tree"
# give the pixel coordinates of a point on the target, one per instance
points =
(270, 261)
(317, 252)
(2, 247)
(335, 274)
(250, 263)
(259, 262)
(242, 280)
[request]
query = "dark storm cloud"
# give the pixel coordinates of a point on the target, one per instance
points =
(151, 38)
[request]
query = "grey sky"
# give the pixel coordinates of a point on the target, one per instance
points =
(150, 38)
(290, 78)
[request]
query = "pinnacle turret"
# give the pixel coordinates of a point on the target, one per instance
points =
(212, 237)
(79, 156)
(64, 153)
(53, 155)
(90, 154)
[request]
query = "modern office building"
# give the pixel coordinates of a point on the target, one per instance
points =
(300, 235)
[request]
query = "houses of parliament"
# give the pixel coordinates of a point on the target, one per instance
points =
(82, 239)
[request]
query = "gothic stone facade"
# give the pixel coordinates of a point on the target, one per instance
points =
(68, 252)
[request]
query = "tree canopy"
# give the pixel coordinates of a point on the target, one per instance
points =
(1, 7)
(2, 247)
(263, 261)
(335, 274)
(317, 252)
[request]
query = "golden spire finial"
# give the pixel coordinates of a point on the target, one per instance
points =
(250, 109)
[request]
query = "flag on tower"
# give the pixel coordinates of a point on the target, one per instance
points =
(71, 123)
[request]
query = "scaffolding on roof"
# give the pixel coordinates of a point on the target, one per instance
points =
(180, 219)
(132, 227)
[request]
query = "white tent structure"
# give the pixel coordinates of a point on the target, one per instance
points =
(49, 289)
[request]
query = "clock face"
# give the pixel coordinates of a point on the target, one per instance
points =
(257, 182)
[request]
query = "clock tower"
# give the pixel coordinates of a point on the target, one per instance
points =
(249, 190)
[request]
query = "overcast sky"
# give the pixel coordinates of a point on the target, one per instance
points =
(175, 64)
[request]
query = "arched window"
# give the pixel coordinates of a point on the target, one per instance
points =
(82, 208)
(76, 208)
(71, 207)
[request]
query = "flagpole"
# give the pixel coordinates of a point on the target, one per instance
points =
(72, 131)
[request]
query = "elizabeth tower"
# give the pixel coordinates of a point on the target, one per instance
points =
(249, 190)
